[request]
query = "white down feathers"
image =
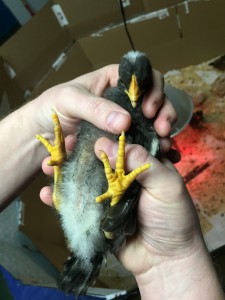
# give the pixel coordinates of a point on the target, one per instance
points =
(83, 181)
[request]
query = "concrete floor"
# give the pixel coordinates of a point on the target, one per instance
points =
(18, 254)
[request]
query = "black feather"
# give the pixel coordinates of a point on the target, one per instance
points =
(75, 278)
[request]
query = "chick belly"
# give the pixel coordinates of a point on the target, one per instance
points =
(81, 216)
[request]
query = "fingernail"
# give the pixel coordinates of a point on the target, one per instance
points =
(117, 120)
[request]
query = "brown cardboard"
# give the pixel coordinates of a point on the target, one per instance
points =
(4, 104)
(106, 48)
(203, 35)
(87, 16)
(161, 39)
(153, 5)
(203, 16)
(76, 64)
(111, 45)
(4, 89)
(32, 49)
(9, 87)
(154, 32)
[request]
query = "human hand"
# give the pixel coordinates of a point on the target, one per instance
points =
(167, 255)
(67, 98)
(167, 222)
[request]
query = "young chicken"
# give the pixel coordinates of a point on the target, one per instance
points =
(94, 225)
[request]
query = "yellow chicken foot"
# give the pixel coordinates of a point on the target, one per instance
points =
(118, 182)
(58, 156)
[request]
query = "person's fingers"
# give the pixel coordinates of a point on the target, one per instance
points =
(165, 144)
(136, 155)
(48, 170)
(46, 195)
(156, 105)
(108, 146)
(70, 141)
(104, 78)
(154, 98)
(166, 117)
(78, 103)
(82, 100)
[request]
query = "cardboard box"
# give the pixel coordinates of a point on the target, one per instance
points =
(4, 104)
(31, 51)
(11, 96)
(202, 17)
(168, 43)
(152, 5)
(88, 16)
(68, 65)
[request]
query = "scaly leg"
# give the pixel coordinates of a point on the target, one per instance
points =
(58, 156)
(118, 182)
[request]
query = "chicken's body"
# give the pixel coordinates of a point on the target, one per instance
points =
(83, 179)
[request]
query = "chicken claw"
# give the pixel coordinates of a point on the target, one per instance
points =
(118, 182)
(58, 156)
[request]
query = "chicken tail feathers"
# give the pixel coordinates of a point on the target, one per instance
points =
(77, 275)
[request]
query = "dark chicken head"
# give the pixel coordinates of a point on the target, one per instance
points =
(135, 75)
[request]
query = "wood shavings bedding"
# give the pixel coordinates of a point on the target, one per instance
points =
(196, 79)
(204, 141)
